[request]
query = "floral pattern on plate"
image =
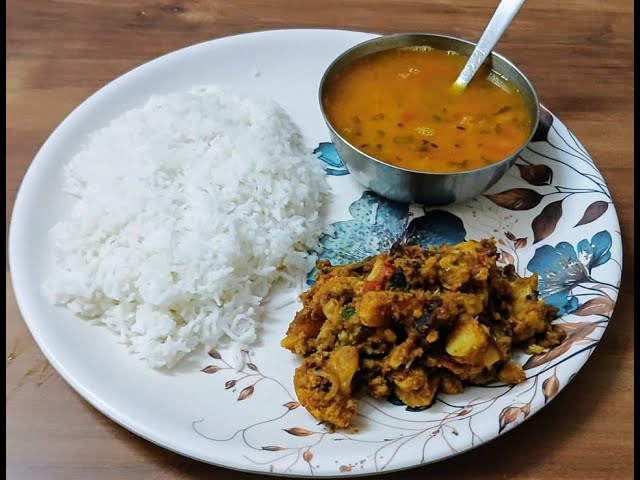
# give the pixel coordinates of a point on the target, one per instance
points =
(538, 216)
(551, 213)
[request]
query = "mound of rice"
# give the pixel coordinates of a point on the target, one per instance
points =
(189, 209)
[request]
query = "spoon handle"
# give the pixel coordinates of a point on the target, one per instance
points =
(502, 17)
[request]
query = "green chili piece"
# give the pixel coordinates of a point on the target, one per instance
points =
(348, 312)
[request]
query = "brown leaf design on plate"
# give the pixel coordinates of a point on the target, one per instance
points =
(580, 333)
(229, 384)
(545, 223)
(211, 369)
(599, 305)
(508, 257)
(465, 411)
(215, 354)
(550, 387)
(252, 366)
(520, 243)
(576, 332)
(246, 393)
(537, 360)
(507, 416)
(593, 212)
(516, 198)
(298, 432)
(510, 236)
(307, 456)
(571, 328)
(272, 448)
(538, 175)
(526, 409)
(345, 468)
(291, 405)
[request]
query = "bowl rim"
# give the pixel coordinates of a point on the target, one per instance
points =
(510, 158)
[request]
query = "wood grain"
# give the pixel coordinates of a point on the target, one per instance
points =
(579, 54)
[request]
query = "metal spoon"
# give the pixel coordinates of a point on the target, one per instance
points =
(502, 17)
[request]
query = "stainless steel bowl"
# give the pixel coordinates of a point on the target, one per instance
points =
(428, 188)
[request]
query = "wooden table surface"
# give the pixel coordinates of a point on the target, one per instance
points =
(579, 54)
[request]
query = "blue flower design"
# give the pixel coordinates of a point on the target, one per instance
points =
(597, 251)
(434, 228)
(378, 224)
(327, 152)
(561, 268)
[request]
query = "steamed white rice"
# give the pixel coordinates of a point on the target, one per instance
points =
(188, 210)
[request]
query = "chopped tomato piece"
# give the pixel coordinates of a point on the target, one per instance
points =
(380, 274)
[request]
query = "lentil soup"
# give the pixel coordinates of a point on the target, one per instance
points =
(397, 106)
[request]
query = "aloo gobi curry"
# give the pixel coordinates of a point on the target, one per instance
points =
(413, 322)
(397, 106)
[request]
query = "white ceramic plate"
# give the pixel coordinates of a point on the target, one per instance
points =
(552, 214)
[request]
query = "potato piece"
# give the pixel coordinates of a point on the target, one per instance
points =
(466, 339)
(511, 374)
(414, 387)
(374, 309)
(491, 355)
(380, 273)
(331, 308)
(403, 354)
(320, 393)
(343, 364)
(432, 336)
(302, 331)
(527, 312)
